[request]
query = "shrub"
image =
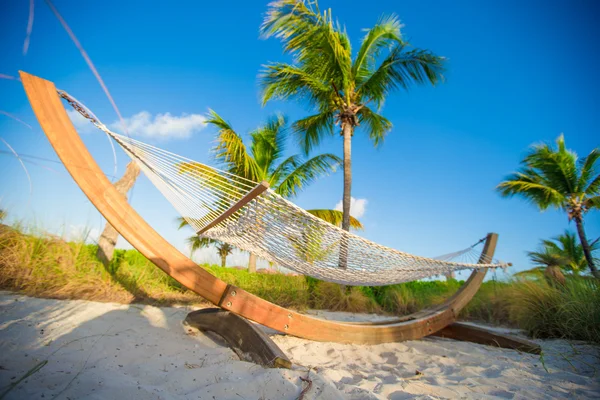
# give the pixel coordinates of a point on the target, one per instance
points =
(570, 311)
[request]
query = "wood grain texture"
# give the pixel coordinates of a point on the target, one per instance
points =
(57, 126)
(248, 341)
(476, 334)
(251, 195)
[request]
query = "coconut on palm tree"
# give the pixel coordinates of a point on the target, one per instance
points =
(341, 88)
(265, 160)
(555, 178)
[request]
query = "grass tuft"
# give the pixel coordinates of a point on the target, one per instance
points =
(569, 311)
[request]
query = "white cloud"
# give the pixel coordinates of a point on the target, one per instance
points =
(357, 207)
(82, 124)
(162, 126)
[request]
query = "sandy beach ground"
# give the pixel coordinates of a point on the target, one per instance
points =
(88, 350)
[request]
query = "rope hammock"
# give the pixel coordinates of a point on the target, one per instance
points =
(250, 216)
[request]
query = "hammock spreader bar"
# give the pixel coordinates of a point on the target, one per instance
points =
(254, 193)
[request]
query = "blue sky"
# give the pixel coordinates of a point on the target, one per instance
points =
(518, 73)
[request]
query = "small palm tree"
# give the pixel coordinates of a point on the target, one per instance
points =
(224, 250)
(264, 160)
(555, 178)
(566, 247)
(343, 89)
(2, 215)
(558, 255)
(196, 242)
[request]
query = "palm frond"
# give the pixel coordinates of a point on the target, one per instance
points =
(589, 179)
(376, 125)
(314, 38)
(282, 81)
(231, 150)
(537, 272)
(181, 222)
(197, 242)
(288, 20)
(592, 202)
(383, 35)
(562, 251)
(268, 144)
(224, 249)
(546, 258)
(311, 130)
(335, 217)
(305, 173)
(558, 168)
(531, 186)
(401, 69)
(284, 168)
(594, 187)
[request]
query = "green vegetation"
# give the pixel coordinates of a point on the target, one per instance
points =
(47, 266)
(570, 311)
(555, 178)
(340, 87)
(561, 252)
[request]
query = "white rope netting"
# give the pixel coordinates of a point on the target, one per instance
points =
(274, 228)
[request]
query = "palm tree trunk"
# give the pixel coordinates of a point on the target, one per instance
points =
(586, 247)
(223, 260)
(108, 239)
(347, 128)
(252, 263)
(346, 199)
(554, 275)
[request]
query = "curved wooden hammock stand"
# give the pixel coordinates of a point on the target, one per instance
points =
(439, 320)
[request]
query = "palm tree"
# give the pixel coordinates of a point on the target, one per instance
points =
(559, 253)
(108, 239)
(565, 247)
(196, 242)
(549, 265)
(555, 178)
(264, 160)
(342, 89)
(2, 214)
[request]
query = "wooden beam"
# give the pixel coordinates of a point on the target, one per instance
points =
(248, 341)
(476, 334)
(251, 195)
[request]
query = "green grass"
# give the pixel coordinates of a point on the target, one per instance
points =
(570, 311)
(47, 266)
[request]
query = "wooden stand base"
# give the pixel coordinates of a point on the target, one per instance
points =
(251, 344)
(475, 334)
(248, 341)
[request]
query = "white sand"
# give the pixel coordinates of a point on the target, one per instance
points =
(113, 351)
